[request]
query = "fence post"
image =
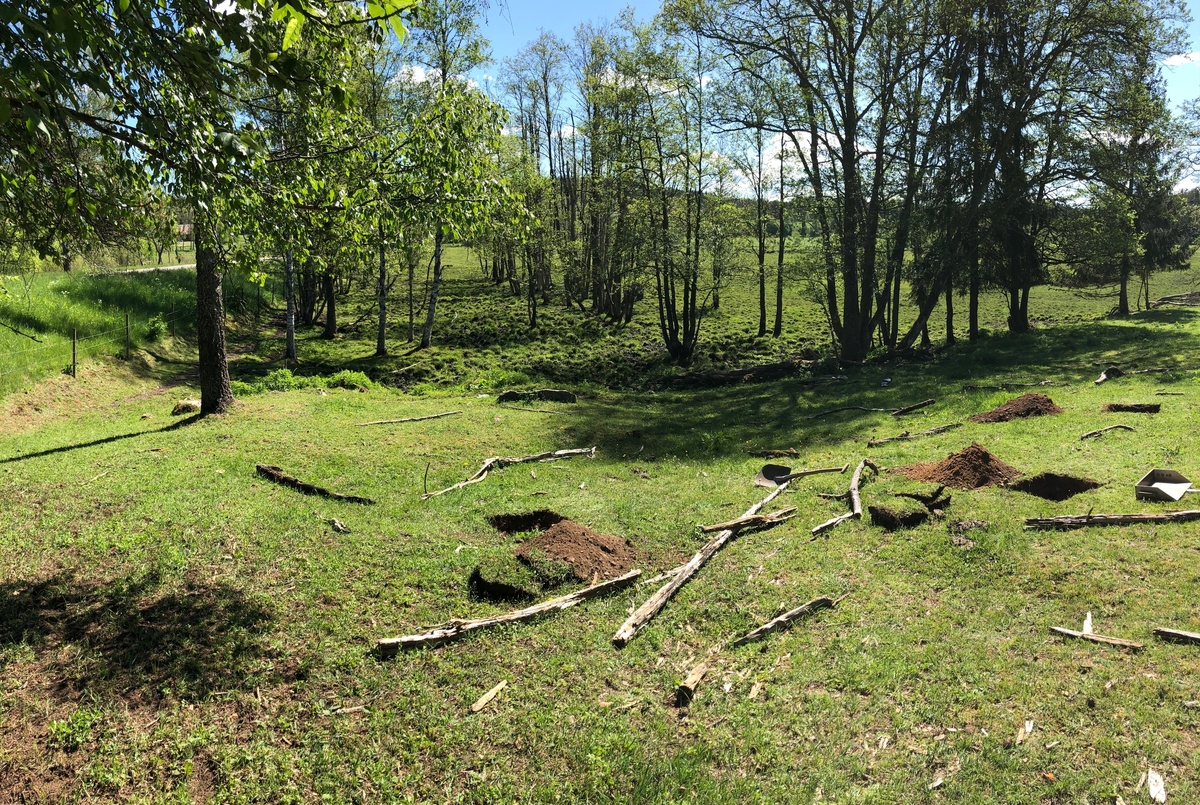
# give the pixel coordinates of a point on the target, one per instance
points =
(126, 336)
(74, 341)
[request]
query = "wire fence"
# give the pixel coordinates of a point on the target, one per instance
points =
(62, 352)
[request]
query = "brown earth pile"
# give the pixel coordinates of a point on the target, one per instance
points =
(972, 467)
(1027, 405)
(590, 555)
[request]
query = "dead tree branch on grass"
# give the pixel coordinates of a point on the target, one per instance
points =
(638, 620)
(1097, 638)
(784, 620)
(906, 436)
(1092, 433)
(283, 479)
(499, 462)
(855, 512)
(408, 419)
(1067, 521)
(893, 411)
(454, 629)
(753, 521)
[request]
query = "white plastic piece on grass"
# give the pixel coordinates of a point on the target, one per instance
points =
(1156, 787)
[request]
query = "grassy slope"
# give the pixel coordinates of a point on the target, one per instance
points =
(173, 628)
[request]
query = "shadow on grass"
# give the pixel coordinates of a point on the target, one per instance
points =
(706, 423)
(132, 638)
(106, 440)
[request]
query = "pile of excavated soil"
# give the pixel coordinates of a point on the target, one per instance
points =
(590, 555)
(1132, 408)
(1027, 405)
(970, 468)
(1052, 486)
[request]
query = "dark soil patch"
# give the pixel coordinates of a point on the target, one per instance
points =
(539, 520)
(1023, 407)
(890, 519)
(588, 554)
(495, 590)
(1052, 486)
(1132, 408)
(970, 468)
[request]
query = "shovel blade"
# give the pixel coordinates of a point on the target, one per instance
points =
(770, 474)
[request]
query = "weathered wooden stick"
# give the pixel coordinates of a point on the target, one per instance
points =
(408, 419)
(1098, 638)
(753, 521)
(499, 462)
(483, 700)
(907, 436)
(906, 409)
(852, 408)
(1092, 433)
(687, 688)
(638, 620)
(1084, 520)
(280, 477)
(855, 500)
(1177, 636)
(1170, 394)
(785, 619)
(454, 629)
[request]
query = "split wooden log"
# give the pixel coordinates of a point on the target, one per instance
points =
(687, 688)
(893, 411)
(1177, 636)
(408, 419)
(784, 620)
(906, 436)
(1092, 433)
(1098, 638)
(545, 395)
(1182, 299)
(499, 462)
(1068, 521)
(277, 475)
(855, 512)
(753, 521)
(643, 614)
(455, 629)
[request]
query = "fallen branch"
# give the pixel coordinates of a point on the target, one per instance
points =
(855, 512)
(1182, 299)
(454, 629)
(1084, 520)
(18, 332)
(280, 477)
(909, 408)
(893, 411)
(1092, 433)
(908, 436)
(545, 395)
(790, 452)
(1177, 636)
(784, 620)
(1007, 386)
(1098, 638)
(408, 419)
(1169, 393)
(499, 462)
(753, 521)
(483, 700)
(638, 620)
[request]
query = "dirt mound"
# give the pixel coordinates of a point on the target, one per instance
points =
(970, 468)
(1052, 486)
(539, 520)
(1027, 405)
(1132, 408)
(588, 554)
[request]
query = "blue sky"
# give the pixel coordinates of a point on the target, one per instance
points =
(513, 26)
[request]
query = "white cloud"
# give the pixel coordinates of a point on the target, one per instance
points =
(1181, 59)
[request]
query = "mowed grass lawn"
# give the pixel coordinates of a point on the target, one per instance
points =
(174, 628)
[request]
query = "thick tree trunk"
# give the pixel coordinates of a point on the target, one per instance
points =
(215, 393)
(381, 299)
(330, 307)
(289, 291)
(427, 332)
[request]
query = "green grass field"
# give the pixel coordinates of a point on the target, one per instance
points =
(174, 628)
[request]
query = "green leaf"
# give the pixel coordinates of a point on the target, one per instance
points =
(292, 32)
(122, 6)
(398, 27)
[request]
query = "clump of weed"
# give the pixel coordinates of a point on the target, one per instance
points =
(73, 731)
(284, 380)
